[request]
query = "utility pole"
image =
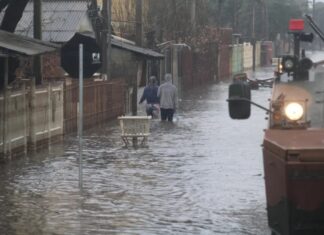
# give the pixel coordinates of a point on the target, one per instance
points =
(193, 16)
(37, 78)
(106, 40)
(38, 35)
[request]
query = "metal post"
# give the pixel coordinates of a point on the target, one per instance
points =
(80, 120)
(297, 45)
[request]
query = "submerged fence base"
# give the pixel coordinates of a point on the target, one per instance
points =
(30, 118)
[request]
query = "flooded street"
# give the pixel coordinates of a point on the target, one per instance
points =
(203, 174)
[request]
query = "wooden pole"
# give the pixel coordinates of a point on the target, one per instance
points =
(38, 35)
(139, 30)
(25, 116)
(193, 16)
(5, 108)
(106, 40)
(109, 52)
(32, 126)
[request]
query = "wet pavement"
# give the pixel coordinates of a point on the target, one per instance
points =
(203, 174)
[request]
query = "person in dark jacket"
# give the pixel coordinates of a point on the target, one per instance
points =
(150, 95)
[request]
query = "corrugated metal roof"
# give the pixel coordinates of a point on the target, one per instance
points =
(61, 20)
(24, 45)
(138, 50)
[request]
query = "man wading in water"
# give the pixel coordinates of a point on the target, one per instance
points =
(152, 100)
(168, 98)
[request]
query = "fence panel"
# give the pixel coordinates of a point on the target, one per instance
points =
(247, 55)
(48, 113)
(47, 118)
(237, 59)
(102, 101)
(224, 62)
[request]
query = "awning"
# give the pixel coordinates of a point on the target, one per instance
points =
(11, 43)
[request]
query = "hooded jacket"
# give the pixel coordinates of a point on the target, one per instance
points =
(168, 95)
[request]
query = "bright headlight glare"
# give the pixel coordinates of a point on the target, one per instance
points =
(294, 111)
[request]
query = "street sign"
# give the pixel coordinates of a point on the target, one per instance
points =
(91, 56)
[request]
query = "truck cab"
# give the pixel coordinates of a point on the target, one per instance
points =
(293, 145)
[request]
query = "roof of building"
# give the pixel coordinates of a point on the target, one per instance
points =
(137, 50)
(61, 19)
(12, 43)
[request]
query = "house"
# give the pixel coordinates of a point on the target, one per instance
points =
(26, 117)
(60, 21)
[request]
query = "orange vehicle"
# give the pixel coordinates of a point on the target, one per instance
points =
(293, 146)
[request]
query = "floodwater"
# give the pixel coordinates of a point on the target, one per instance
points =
(203, 174)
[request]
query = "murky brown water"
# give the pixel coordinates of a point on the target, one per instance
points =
(201, 175)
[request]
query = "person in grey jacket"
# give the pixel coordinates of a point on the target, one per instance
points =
(167, 93)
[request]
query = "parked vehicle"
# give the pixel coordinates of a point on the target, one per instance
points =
(293, 146)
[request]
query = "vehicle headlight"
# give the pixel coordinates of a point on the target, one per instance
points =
(294, 111)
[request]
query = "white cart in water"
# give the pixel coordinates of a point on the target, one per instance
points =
(135, 128)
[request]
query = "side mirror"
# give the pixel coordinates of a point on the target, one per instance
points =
(239, 100)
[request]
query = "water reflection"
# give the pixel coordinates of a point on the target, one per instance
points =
(200, 175)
